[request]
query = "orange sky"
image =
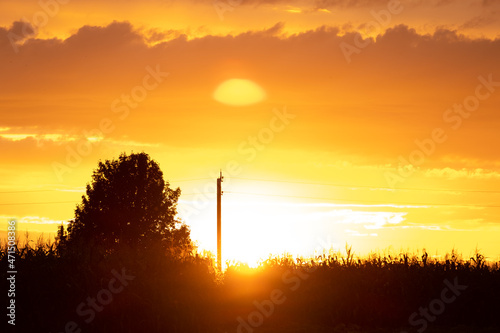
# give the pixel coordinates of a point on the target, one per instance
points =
(86, 80)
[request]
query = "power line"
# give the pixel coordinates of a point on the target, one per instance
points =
(210, 193)
(365, 186)
(66, 202)
(26, 191)
(36, 203)
(290, 182)
(358, 202)
(189, 180)
(289, 196)
(70, 189)
(83, 189)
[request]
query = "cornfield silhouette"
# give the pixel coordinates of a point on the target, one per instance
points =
(333, 292)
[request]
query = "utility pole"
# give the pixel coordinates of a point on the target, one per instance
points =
(219, 194)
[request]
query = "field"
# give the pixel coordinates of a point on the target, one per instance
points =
(126, 291)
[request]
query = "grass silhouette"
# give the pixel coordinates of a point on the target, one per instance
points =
(331, 292)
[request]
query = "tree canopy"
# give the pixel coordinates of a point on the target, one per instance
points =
(129, 203)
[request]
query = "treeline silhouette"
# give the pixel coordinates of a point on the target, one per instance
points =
(186, 294)
(127, 264)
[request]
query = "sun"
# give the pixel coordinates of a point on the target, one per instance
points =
(239, 92)
(256, 227)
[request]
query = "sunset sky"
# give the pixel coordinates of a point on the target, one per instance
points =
(372, 123)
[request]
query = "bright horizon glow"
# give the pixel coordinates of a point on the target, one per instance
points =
(239, 92)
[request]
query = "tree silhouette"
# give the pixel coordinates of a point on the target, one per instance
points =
(128, 203)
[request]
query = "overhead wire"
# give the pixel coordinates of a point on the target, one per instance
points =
(26, 191)
(289, 196)
(36, 203)
(360, 201)
(188, 180)
(366, 186)
(65, 190)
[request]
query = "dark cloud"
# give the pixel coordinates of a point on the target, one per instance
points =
(397, 86)
(488, 3)
(348, 3)
(481, 20)
(11, 38)
(328, 4)
(24, 29)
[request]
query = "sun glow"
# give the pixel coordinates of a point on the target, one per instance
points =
(239, 92)
(254, 229)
